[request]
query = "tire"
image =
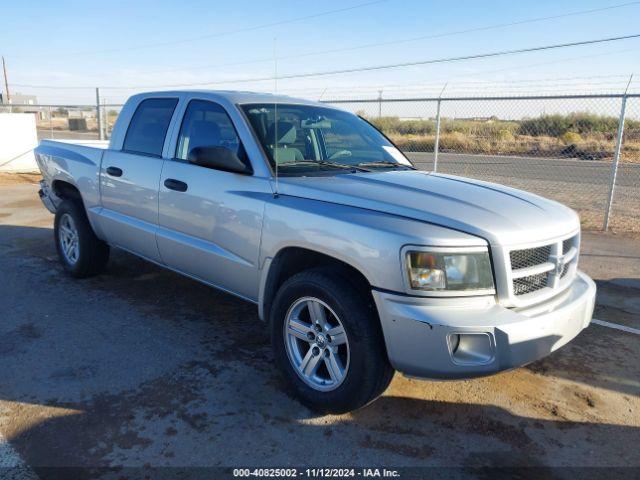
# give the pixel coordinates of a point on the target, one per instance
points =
(363, 358)
(90, 255)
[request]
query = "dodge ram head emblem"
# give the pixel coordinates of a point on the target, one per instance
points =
(559, 266)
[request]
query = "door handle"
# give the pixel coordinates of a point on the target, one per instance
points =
(114, 171)
(177, 185)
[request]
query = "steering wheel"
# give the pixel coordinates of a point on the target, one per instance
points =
(340, 153)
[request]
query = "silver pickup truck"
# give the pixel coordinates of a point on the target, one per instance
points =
(359, 264)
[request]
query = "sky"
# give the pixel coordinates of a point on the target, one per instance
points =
(62, 50)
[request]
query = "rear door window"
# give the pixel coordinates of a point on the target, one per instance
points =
(148, 127)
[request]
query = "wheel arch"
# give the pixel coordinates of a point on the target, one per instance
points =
(63, 189)
(66, 190)
(291, 260)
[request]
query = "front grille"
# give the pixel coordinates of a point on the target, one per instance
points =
(552, 265)
(529, 257)
(567, 244)
(530, 284)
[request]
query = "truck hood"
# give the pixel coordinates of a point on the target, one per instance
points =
(499, 214)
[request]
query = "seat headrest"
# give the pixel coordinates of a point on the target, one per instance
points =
(205, 134)
(286, 133)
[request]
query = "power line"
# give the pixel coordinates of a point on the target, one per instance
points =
(225, 33)
(359, 69)
(404, 40)
(438, 84)
(461, 58)
(403, 64)
(453, 83)
(552, 62)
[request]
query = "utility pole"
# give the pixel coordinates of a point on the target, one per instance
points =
(6, 82)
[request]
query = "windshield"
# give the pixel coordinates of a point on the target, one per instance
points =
(308, 139)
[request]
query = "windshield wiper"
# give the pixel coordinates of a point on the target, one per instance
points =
(325, 163)
(385, 164)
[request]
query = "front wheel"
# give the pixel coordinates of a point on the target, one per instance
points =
(327, 341)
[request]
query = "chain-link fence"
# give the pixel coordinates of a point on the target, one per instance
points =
(561, 147)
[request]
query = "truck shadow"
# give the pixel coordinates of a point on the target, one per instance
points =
(152, 290)
(140, 365)
(474, 441)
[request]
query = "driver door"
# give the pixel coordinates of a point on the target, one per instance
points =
(210, 220)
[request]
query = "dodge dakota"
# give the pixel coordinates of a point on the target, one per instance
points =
(359, 264)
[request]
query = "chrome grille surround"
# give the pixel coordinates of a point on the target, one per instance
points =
(538, 271)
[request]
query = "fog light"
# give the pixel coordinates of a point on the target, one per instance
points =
(471, 348)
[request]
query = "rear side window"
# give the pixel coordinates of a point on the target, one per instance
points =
(149, 125)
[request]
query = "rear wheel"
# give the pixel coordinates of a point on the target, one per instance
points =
(327, 341)
(81, 253)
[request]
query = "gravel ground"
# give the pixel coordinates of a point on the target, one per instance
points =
(141, 367)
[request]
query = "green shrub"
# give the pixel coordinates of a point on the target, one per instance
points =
(571, 137)
(404, 127)
(506, 135)
(578, 122)
(415, 127)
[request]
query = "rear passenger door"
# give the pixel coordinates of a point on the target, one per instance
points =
(129, 179)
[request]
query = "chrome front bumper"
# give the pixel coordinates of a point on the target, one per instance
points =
(469, 337)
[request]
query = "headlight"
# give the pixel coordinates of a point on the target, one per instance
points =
(453, 270)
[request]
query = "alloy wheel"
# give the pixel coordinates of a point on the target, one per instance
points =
(69, 241)
(316, 344)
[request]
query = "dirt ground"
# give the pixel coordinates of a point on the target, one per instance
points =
(140, 368)
(19, 178)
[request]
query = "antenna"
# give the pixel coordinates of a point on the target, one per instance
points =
(275, 113)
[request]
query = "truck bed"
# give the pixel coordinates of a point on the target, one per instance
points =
(76, 162)
(103, 144)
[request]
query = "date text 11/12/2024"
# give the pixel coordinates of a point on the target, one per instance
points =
(317, 472)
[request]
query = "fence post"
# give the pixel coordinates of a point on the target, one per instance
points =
(436, 146)
(614, 164)
(105, 123)
(99, 115)
(379, 103)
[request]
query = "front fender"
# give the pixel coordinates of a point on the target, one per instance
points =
(367, 240)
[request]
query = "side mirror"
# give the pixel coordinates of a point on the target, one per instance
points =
(218, 158)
